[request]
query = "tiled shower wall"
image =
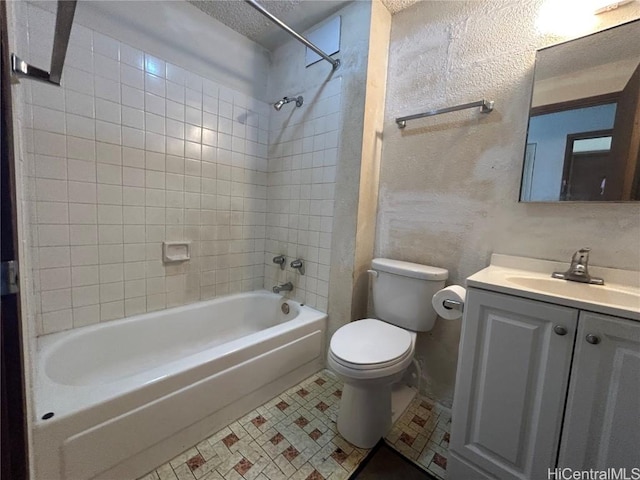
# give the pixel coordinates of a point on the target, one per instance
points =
(133, 151)
(303, 153)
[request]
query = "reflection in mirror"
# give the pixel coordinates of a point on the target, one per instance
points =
(583, 142)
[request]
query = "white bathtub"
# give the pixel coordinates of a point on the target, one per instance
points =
(129, 395)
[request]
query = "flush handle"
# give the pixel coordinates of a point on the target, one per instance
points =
(593, 339)
(560, 330)
(373, 273)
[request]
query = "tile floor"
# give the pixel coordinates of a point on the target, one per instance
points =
(421, 434)
(294, 436)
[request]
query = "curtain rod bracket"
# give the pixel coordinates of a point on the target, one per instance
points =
(64, 20)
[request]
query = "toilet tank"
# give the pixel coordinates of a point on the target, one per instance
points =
(402, 293)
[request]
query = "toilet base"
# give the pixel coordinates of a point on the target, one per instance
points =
(365, 414)
(401, 397)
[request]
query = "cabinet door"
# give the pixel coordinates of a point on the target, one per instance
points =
(602, 421)
(513, 371)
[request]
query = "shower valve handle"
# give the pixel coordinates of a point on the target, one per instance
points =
(280, 260)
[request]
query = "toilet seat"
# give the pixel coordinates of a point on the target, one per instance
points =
(371, 344)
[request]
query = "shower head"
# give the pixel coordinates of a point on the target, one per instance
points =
(299, 101)
(278, 105)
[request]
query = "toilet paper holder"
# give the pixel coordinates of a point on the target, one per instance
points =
(453, 305)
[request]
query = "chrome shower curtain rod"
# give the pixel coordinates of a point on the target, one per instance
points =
(333, 61)
(64, 21)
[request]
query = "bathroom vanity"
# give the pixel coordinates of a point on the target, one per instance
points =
(548, 373)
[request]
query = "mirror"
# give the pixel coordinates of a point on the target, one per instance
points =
(583, 141)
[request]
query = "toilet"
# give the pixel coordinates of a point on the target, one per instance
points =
(370, 355)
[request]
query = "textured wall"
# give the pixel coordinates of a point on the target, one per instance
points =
(449, 184)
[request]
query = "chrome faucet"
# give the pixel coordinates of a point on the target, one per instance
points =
(280, 260)
(579, 269)
(299, 265)
(286, 287)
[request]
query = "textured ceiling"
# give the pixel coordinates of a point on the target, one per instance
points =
(395, 6)
(298, 14)
(244, 19)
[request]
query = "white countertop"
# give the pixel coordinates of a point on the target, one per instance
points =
(531, 278)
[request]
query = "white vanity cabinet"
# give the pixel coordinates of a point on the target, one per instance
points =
(602, 422)
(541, 386)
(511, 385)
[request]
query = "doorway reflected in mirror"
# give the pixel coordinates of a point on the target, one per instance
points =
(583, 141)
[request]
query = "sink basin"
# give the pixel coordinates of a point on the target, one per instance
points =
(531, 278)
(590, 293)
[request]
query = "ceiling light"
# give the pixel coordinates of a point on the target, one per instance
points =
(566, 17)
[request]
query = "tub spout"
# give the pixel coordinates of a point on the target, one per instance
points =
(287, 287)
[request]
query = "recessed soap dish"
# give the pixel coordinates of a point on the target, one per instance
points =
(176, 252)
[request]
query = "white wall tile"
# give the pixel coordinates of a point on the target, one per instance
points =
(48, 96)
(53, 300)
(131, 76)
(57, 321)
(47, 143)
(80, 57)
(50, 167)
(122, 163)
(81, 149)
(109, 194)
(107, 89)
(154, 84)
(51, 257)
(84, 275)
(155, 66)
(110, 174)
(132, 97)
(106, 67)
(131, 56)
(86, 295)
(52, 213)
(109, 214)
(108, 132)
(111, 253)
(111, 311)
(55, 278)
(78, 80)
(132, 117)
(82, 127)
(51, 190)
(53, 235)
(48, 119)
(82, 214)
(83, 316)
(105, 45)
(82, 192)
(84, 255)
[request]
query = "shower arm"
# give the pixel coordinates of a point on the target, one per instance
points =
(333, 61)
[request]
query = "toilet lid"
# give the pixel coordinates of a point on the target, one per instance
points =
(370, 341)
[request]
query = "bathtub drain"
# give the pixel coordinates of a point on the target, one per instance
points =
(285, 308)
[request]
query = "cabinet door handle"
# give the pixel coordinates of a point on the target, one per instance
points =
(560, 330)
(593, 339)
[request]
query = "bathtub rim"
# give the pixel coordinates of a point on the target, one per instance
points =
(69, 400)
